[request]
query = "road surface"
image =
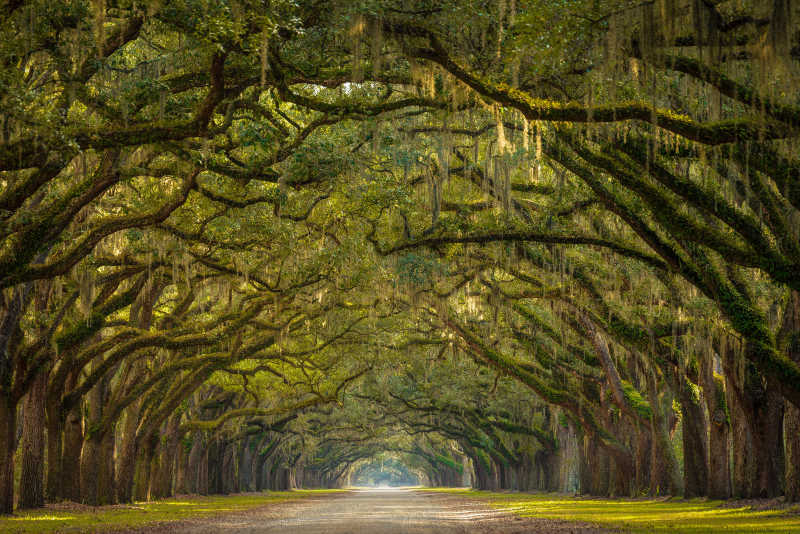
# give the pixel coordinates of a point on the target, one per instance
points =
(373, 511)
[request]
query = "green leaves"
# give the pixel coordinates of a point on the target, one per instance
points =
(418, 270)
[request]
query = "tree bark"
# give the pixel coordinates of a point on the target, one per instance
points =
(193, 464)
(719, 475)
(106, 483)
(245, 460)
(664, 471)
(791, 418)
(769, 444)
(228, 469)
(259, 461)
(71, 455)
(126, 461)
(643, 457)
(695, 442)
(792, 429)
(202, 471)
(31, 485)
(92, 457)
(55, 444)
(8, 434)
(214, 462)
(144, 460)
(181, 468)
(164, 468)
(757, 430)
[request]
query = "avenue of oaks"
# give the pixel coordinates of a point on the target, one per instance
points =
(525, 244)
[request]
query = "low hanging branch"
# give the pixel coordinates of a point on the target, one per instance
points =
(530, 237)
(316, 400)
(729, 131)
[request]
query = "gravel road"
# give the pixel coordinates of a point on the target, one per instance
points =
(392, 511)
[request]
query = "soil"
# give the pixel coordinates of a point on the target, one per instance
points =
(393, 511)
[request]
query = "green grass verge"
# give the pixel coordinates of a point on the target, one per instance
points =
(641, 515)
(73, 519)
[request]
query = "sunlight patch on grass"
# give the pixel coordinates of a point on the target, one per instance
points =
(640, 516)
(49, 520)
(39, 518)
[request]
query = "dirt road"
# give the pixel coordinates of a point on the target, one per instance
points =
(393, 511)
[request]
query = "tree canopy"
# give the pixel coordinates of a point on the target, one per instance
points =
(526, 243)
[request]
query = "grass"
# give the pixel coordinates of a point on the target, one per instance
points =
(77, 518)
(641, 515)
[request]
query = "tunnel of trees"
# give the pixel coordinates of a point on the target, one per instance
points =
(518, 244)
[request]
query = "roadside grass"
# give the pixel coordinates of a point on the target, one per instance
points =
(694, 516)
(74, 518)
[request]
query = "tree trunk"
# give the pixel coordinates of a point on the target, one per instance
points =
(695, 442)
(623, 474)
(164, 468)
(8, 434)
(90, 470)
(126, 459)
(91, 455)
(245, 460)
(791, 418)
(71, 455)
(598, 468)
(202, 472)
(214, 467)
(106, 483)
(259, 461)
(158, 469)
(741, 441)
(757, 429)
(719, 475)
(587, 458)
(55, 438)
(97, 470)
(643, 457)
(769, 444)
(792, 428)
(664, 472)
(193, 464)
(181, 468)
(31, 484)
(228, 469)
(144, 460)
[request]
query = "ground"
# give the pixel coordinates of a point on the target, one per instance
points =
(408, 511)
(645, 515)
(390, 511)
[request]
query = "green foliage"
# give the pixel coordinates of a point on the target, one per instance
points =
(418, 269)
(634, 398)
